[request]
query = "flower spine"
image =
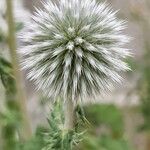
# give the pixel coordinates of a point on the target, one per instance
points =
(74, 49)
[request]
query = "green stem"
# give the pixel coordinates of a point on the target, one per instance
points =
(26, 133)
(69, 113)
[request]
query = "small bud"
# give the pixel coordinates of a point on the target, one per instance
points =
(70, 45)
(79, 40)
(71, 30)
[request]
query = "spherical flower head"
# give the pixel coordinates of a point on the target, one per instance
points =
(74, 49)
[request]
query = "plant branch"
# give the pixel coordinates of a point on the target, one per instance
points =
(26, 133)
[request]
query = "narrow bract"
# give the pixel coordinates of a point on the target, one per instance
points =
(74, 49)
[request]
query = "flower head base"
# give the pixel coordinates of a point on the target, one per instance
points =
(74, 49)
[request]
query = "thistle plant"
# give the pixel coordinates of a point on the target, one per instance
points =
(55, 137)
(74, 50)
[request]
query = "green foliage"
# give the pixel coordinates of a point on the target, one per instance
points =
(10, 118)
(97, 138)
(145, 90)
(109, 143)
(5, 67)
(107, 115)
(56, 137)
(104, 143)
(36, 143)
(2, 36)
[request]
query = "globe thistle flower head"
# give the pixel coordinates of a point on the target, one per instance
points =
(74, 49)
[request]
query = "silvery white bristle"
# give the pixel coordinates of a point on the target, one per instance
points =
(74, 49)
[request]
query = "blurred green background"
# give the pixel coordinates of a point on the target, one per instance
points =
(117, 121)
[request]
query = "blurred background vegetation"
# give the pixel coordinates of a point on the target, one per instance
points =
(118, 121)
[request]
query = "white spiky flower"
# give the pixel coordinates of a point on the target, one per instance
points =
(75, 48)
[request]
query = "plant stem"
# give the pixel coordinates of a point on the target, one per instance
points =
(26, 133)
(69, 113)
